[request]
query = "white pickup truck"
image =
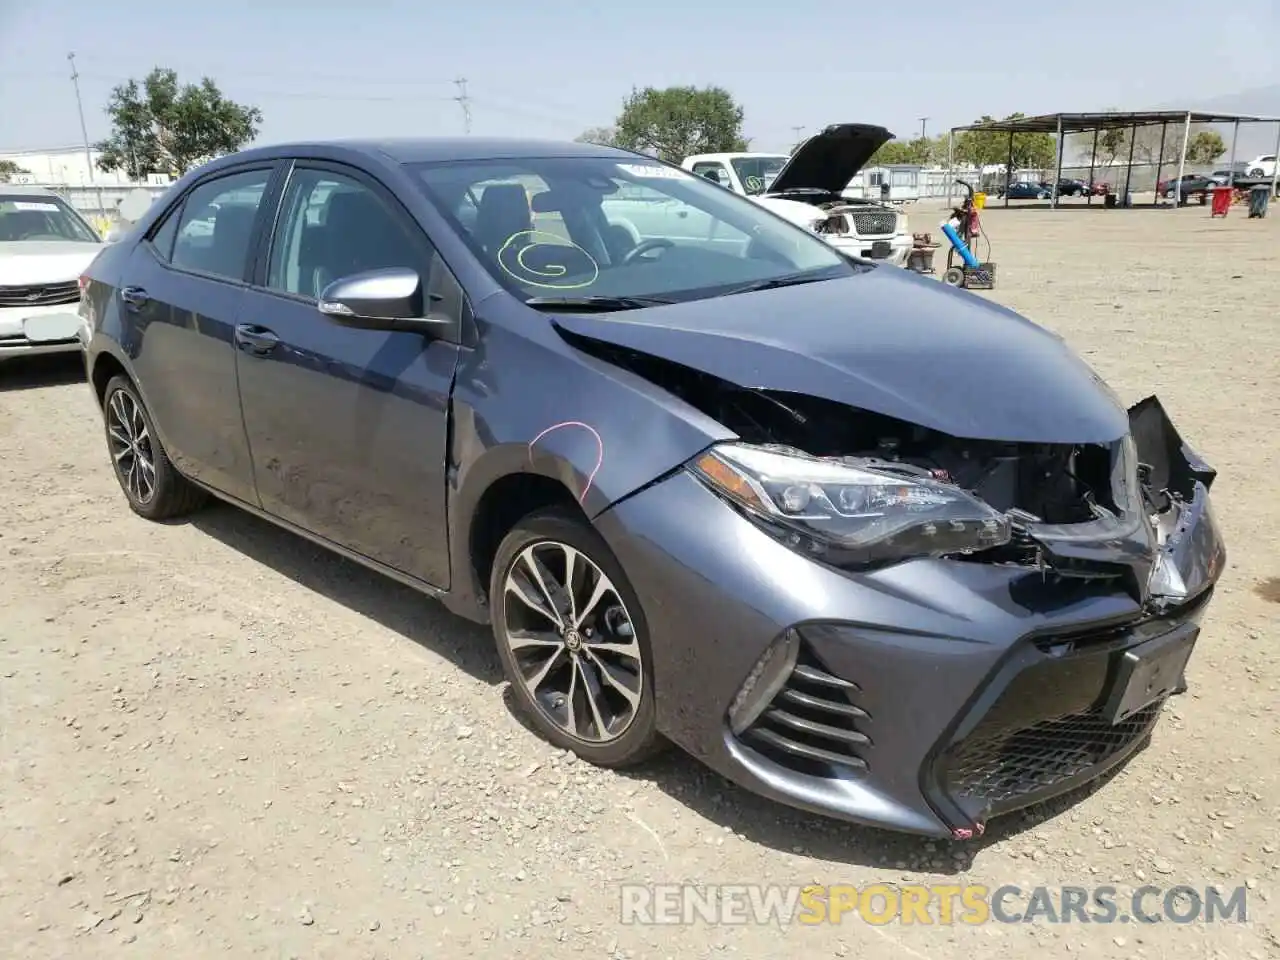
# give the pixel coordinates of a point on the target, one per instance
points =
(807, 189)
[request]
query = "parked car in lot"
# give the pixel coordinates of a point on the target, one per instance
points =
(1024, 190)
(740, 496)
(1192, 184)
(808, 188)
(44, 247)
(1068, 187)
(1262, 166)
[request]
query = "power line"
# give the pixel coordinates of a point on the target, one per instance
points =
(465, 102)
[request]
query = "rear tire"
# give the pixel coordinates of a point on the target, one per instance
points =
(150, 482)
(583, 678)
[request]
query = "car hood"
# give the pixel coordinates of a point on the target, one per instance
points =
(44, 261)
(801, 214)
(830, 159)
(887, 342)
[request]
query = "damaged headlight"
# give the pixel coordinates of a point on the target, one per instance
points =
(846, 511)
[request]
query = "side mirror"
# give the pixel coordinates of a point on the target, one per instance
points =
(388, 299)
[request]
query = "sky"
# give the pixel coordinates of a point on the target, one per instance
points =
(551, 68)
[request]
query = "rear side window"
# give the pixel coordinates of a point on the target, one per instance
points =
(162, 239)
(215, 230)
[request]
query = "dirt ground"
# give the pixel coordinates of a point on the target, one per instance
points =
(220, 740)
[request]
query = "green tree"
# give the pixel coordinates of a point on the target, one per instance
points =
(679, 121)
(604, 136)
(1112, 143)
(1205, 147)
(9, 169)
(160, 127)
(918, 151)
(983, 147)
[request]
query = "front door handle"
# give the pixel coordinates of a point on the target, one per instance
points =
(256, 340)
(134, 296)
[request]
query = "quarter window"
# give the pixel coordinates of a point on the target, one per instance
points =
(332, 226)
(215, 232)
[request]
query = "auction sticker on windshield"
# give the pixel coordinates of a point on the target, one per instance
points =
(655, 171)
(34, 205)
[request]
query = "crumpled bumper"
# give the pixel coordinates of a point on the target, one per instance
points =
(930, 695)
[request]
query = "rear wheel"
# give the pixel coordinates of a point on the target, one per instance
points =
(572, 640)
(152, 485)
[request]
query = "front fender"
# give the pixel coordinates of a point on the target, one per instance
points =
(529, 405)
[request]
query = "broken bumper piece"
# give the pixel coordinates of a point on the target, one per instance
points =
(928, 695)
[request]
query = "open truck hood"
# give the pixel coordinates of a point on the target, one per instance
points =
(885, 342)
(828, 160)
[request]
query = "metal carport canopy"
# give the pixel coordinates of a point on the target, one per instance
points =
(1062, 124)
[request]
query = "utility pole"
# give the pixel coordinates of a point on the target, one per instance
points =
(796, 131)
(464, 101)
(924, 121)
(84, 132)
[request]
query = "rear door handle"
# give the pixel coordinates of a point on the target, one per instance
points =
(134, 296)
(254, 339)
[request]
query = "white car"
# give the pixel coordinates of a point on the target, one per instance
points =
(807, 188)
(1263, 166)
(45, 245)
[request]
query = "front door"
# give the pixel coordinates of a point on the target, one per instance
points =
(183, 290)
(348, 428)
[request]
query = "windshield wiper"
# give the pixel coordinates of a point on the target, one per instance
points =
(789, 280)
(601, 303)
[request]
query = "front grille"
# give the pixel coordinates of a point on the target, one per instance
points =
(40, 295)
(874, 224)
(813, 725)
(1000, 767)
(1043, 730)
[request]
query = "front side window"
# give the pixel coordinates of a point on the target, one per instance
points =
(37, 218)
(758, 173)
(715, 172)
(602, 227)
(332, 226)
(215, 231)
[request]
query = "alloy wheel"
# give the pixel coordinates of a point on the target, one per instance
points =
(572, 641)
(130, 443)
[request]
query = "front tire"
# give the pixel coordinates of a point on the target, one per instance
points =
(150, 482)
(573, 641)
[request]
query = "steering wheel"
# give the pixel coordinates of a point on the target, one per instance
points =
(645, 246)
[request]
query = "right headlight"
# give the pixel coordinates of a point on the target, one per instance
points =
(849, 512)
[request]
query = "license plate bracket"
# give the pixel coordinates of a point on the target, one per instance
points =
(881, 250)
(1149, 672)
(51, 327)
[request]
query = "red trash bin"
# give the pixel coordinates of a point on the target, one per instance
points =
(1221, 201)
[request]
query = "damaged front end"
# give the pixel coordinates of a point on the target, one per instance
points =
(857, 490)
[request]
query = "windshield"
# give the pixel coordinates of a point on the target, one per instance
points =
(600, 227)
(41, 218)
(758, 173)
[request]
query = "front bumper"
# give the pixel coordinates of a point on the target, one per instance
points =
(894, 250)
(29, 331)
(926, 696)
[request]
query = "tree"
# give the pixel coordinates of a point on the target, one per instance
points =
(1205, 147)
(9, 169)
(160, 127)
(1112, 143)
(679, 121)
(603, 136)
(983, 147)
(918, 151)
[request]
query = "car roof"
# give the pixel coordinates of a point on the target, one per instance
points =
(438, 149)
(18, 189)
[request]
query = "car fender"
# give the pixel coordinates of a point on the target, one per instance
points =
(600, 431)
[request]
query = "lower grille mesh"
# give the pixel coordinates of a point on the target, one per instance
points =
(813, 725)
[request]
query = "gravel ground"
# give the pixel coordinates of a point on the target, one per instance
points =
(220, 739)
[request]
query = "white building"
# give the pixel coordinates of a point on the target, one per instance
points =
(68, 167)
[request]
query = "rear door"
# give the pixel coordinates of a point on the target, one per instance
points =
(183, 290)
(348, 428)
